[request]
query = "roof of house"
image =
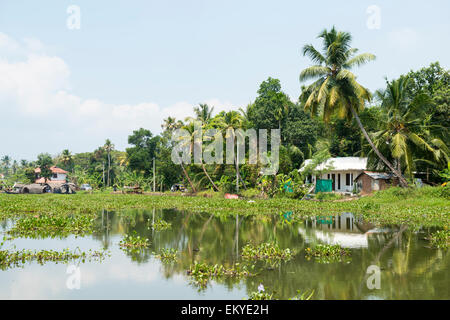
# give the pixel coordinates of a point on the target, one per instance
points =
(53, 169)
(377, 175)
(340, 164)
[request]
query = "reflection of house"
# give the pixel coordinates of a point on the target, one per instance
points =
(344, 171)
(369, 181)
(58, 175)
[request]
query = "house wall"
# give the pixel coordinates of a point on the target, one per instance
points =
(59, 177)
(343, 181)
(369, 185)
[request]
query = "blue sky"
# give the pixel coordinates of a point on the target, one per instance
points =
(132, 63)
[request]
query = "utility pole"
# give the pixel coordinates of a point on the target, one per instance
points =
(154, 176)
(237, 170)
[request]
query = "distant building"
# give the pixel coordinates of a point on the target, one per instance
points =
(345, 170)
(58, 176)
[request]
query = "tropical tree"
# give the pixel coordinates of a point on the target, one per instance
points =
(228, 122)
(66, 159)
(108, 148)
(335, 89)
(203, 112)
(44, 162)
(403, 127)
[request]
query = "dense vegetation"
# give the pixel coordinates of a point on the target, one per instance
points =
(402, 128)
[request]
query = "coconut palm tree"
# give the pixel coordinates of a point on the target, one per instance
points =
(66, 158)
(108, 148)
(228, 122)
(203, 112)
(169, 125)
(191, 128)
(403, 129)
(335, 89)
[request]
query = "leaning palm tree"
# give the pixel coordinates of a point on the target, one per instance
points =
(170, 124)
(403, 130)
(191, 128)
(335, 89)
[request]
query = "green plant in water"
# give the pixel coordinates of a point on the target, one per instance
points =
(168, 255)
(160, 225)
(266, 251)
(325, 253)
(262, 294)
(201, 273)
(10, 259)
(440, 239)
(134, 241)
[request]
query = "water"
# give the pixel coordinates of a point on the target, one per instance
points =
(409, 269)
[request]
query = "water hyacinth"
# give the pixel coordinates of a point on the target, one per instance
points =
(10, 259)
(266, 251)
(324, 253)
(134, 241)
(202, 273)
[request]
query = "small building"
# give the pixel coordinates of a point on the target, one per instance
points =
(369, 181)
(344, 171)
(58, 176)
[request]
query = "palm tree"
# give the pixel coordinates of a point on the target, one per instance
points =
(108, 148)
(66, 158)
(203, 112)
(169, 125)
(403, 127)
(335, 89)
(228, 122)
(6, 161)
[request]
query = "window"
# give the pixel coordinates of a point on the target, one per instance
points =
(347, 179)
(55, 175)
(339, 181)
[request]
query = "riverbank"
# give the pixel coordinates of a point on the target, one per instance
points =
(428, 207)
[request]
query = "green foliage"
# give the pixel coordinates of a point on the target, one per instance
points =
(440, 239)
(10, 259)
(202, 273)
(159, 224)
(266, 251)
(134, 241)
(168, 255)
(327, 253)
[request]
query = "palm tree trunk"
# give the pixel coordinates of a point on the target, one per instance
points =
(109, 166)
(187, 176)
(401, 179)
(210, 180)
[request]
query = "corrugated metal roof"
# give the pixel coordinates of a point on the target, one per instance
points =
(341, 164)
(378, 175)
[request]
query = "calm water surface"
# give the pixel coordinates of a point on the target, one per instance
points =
(409, 269)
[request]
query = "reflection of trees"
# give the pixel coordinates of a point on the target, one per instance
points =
(408, 269)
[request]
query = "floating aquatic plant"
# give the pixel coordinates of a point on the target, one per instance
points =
(325, 253)
(134, 241)
(202, 273)
(266, 251)
(10, 259)
(168, 255)
(160, 225)
(440, 239)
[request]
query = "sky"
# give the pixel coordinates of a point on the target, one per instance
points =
(130, 64)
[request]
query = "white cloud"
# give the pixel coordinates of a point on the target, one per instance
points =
(35, 95)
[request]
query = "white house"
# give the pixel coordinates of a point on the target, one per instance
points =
(344, 171)
(58, 175)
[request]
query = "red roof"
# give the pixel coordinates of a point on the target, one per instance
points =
(53, 169)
